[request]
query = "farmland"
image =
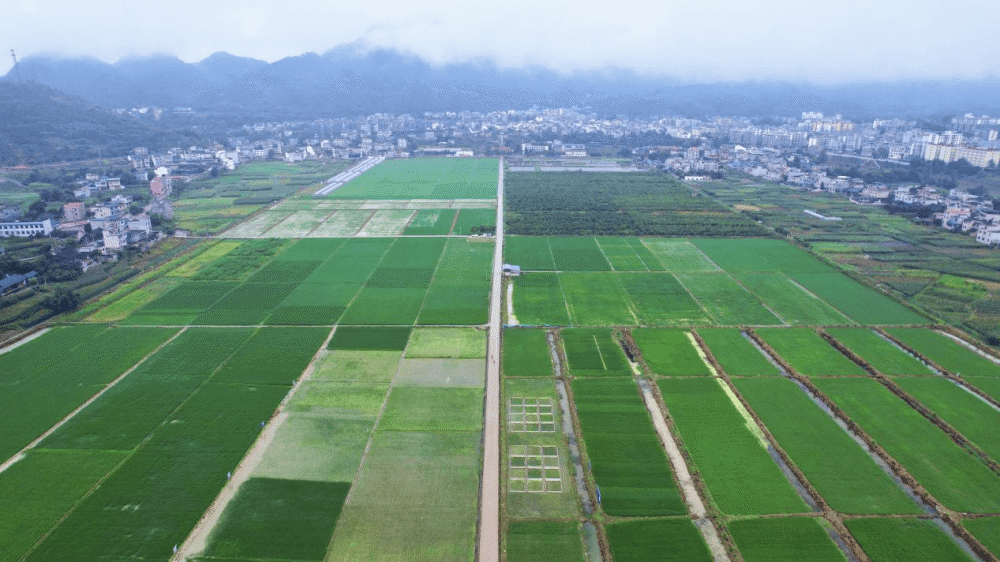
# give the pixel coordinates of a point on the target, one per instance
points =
(736, 354)
(946, 352)
(808, 353)
(427, 178)
(669, 353)
(889, 540)
(784, 540)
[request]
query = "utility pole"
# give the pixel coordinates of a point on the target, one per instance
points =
(17, 68)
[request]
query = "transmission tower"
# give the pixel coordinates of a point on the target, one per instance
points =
(17, 68)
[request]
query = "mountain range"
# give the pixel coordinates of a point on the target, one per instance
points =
(349, 81)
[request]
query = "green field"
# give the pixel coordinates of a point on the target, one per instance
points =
(594, 353)
(454, 343)
(790, 539)
(595, 299)
(863, 305)
(680, 256)
(475, 221)
(978, 421)
(425, 178)
(664, 540)
(659, 299)
(526, 353)
(256, 362)
(946, 352)
(531, 253)
(789, 301)
(669, 353)
(956, 478)
(839, 469)
(879, 353)
(539, 300)
(578, 254)
(905, 540)
(735, 353)
(433, 410)
(542, 541)
(431, 222)
(370, 338)
(741, 476)
(808, 353)
(459, 292)
(987, 530)
(727, 301)
(627, 460)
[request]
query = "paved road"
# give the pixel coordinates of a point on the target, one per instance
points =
(489, 500)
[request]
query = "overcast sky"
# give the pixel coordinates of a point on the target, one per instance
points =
(821, 41)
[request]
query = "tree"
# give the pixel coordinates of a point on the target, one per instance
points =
(62, 300)
(36, 209)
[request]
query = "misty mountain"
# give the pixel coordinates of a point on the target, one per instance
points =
(41, 124)
(349, 81)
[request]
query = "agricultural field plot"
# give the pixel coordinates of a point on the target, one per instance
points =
(528, 252)
(669, 353)
(541, 541)
(431, 222)
(298, 224)
(594, 353)
(345, 222)
(578, 254)
(989, 385)
(595, 299)
(475, 221)
(537, 474)
(728, 303)
(39, 489)
(955, 477)
(451, 343)
(905, 540)
(973, 417)
(459, 292)
(628, 462)
(179, 471)
(210, 251)
(680, 256)
(127, 303)
(182, 304)
(386, 223)
(863, 305)
(879, 353)
(986, 530)
(240, 262)
(47, 378)
(840, 470)
(664, 540)
(425, 178)
(256, 362)
(629, 254)
(789, 301)
(278, 519)
(257, 226)
(539, 300)
(808, 353)
(741, 476)
(946, 352)
(789, 539)
(660, 300)
(526, 353)
(758, 255)
(735, 353)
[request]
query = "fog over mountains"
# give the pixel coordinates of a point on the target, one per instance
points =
(349, 81)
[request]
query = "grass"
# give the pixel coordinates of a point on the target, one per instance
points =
(626, 458)
(952, 475)
(592, 352)
(946, 352)
(839, 469)
(665, 540)
(526, 353)
(595, 299)
(538, 300)
(669, 352)
(969, 414)
(256, 361)
(370, 338)
(987, 530)
(541, 541)
(578, 254)
(433, 409)
(791, 539)
(878, 352)
(39, 489)
(415, 500)
(726, 301)
(456, 343)
(741, 476)
(909, 540)
(789, 301)
(735, 353)
(280, 519)
(808, 353)
(660, 300)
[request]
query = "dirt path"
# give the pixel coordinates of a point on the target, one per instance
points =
(511, 319)
(23, 341)
(107, 387)
(197, 540)
(691, 496)
(488, 546)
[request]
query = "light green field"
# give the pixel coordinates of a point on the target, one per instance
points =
(878, 352)
(125, 306)
(455, 343)
(441, 372)
(425, 178)
(735, 353)
(356, 366)
(386, 223)
(789, 301)
(808, 353)
(728, 302)
(680, 256)
(298, 224)
(539, 301)
(307, 447)
(257, 226)
(595, 299)
(433, 409)
(342, 223)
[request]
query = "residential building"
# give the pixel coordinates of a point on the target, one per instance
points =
(160, 187)
(25, 229)
(73, 212)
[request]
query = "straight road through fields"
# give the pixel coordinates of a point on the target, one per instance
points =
(488, 548)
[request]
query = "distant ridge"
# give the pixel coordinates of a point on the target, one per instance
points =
(349, 81)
